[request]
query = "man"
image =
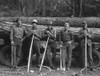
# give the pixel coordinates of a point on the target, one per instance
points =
(66, 38)
(37, 36)
(84, 32)
(17, 36)
(50, 32)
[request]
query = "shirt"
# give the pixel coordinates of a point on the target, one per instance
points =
(52, 33)
(17, 32)
(65, 36)
(82, 36)
(36, 33)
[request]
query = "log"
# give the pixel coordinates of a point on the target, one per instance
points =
(59, 21)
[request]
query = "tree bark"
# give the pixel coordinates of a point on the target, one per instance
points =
(81, 3)
(44, 8)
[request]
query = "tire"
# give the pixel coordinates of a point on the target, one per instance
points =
(96, 58)
(5, 56)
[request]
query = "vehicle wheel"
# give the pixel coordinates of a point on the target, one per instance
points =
(96, 58)
(5, 58)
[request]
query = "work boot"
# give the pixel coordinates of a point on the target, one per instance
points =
(64, 69)
(52, 67)
(91, 69)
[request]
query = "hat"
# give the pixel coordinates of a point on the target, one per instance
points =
(34, 21)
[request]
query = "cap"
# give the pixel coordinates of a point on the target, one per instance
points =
(34, 21)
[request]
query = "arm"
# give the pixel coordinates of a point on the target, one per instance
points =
(53, 34)
(81, 35)
(89, 33)
(37, 34)
(72, 37)
(60, 35)
(12, 34)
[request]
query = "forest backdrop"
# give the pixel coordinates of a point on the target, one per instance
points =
(50, 8)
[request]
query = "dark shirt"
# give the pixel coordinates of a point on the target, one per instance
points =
(36, 33)
(52, 35)
(65, 36)
(82, 36)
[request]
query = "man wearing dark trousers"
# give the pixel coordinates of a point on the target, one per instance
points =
(66, 38)
(17, 36)
(50, 32)
(37, 36)
(84, 32)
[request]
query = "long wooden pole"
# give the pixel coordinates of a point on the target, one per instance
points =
(61, 59)
(12, 55)
(30, 53)
(44, 55)
(85, 51)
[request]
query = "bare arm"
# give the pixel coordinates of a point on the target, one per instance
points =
(12, 33)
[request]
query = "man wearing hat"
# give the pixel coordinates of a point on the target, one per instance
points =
(84, 32)
(37, 36)
(66, 38)
(16, 36)
(49, 31)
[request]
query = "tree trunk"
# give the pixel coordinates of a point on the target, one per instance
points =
(44, 8)
(73, 7)
(80, 14)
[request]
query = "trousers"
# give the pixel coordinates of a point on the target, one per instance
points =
(17, 52)
(66, 55)
(89, 55)
(36, 50)
(51, 49)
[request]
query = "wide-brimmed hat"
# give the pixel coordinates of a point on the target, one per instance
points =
(34, 21)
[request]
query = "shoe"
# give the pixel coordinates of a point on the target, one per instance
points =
(64, 69)
(68, 69)
(91, 69)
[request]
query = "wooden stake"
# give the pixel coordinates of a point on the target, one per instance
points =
(44, 55)
(30, 53)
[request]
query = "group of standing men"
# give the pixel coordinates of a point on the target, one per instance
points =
(65, 38)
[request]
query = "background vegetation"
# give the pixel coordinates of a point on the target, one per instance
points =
(50, 8)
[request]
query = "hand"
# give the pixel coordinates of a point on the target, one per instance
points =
(12, 42)
(69, 42)
(47, 32)
(35, 34)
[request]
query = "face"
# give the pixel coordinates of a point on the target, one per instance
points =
(19, 23)
(49, 26)
(66, 26)
(84, 26)
(34, 25)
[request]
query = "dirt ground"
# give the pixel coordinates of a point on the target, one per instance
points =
(34, 71)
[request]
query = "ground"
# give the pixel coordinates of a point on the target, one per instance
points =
(22, 71)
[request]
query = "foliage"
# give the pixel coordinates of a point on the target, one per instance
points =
(51, 8)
